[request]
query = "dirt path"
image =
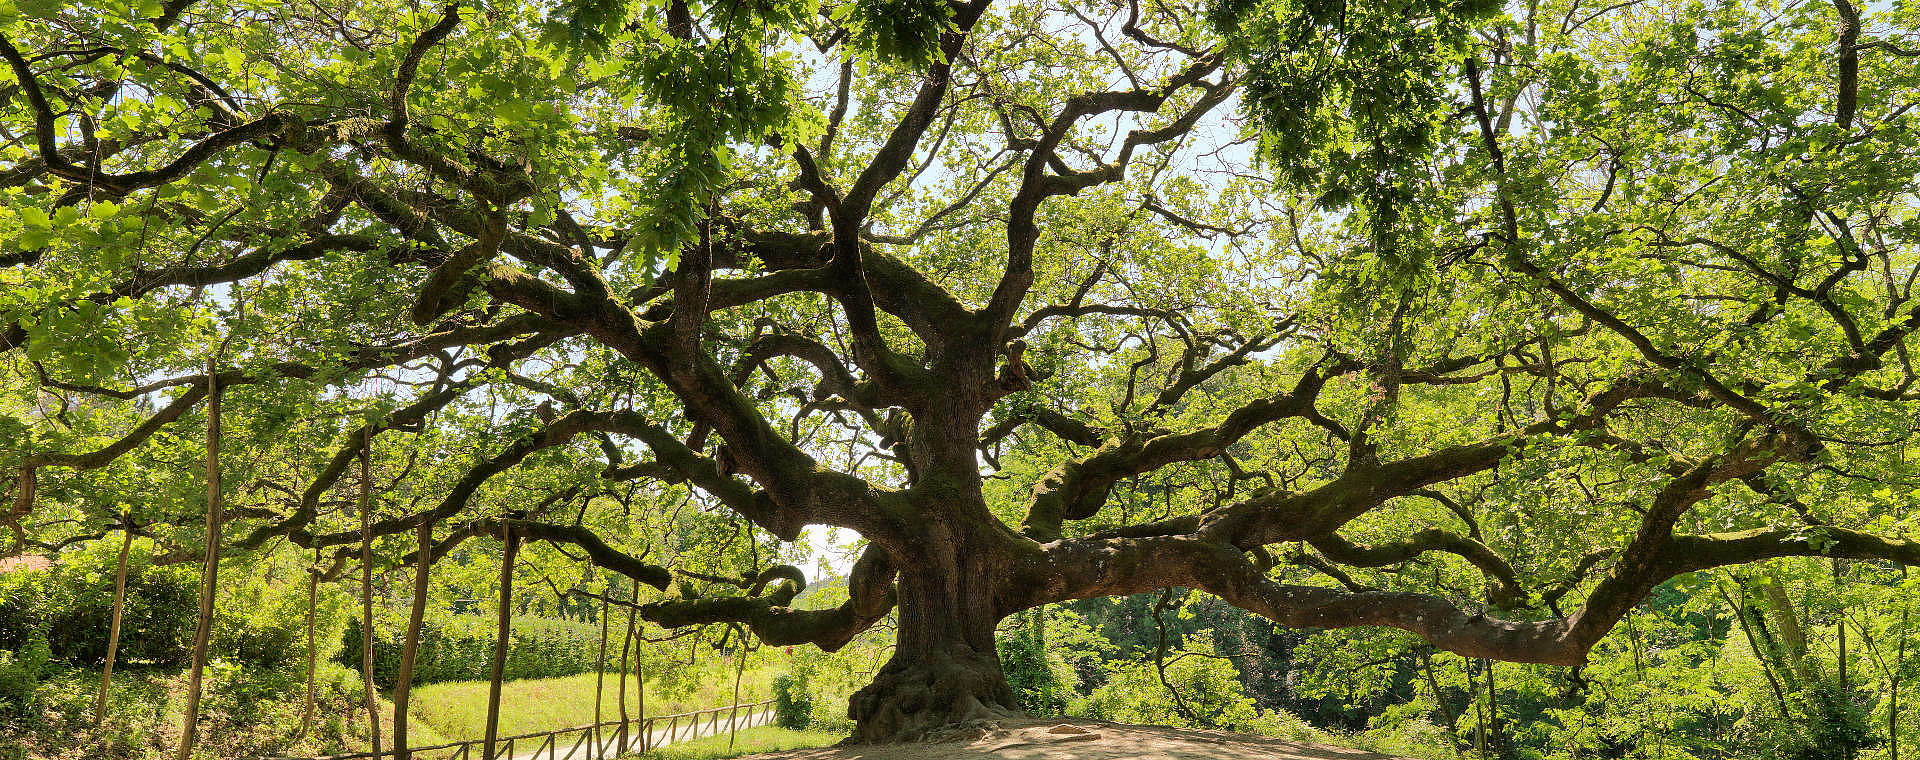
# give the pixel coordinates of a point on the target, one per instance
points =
(1086, 740)
(659, 737)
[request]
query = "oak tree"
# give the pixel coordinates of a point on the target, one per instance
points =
(1470, 320)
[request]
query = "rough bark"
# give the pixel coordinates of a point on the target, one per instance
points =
(959, 571)
(945, 670)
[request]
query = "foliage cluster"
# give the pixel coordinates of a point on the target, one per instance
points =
(249, 712)
(71, 606)
(460, 648)
(792, 702)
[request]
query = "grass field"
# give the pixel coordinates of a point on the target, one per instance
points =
(751, 741)
(458, 710)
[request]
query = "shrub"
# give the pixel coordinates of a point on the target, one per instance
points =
(260, 628)
(1031, 674)
(792, 702)
(20, 674)
(1823, 724)
(1209, 694)
(71, 604)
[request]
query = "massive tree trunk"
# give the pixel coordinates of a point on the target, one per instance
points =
(945, 670)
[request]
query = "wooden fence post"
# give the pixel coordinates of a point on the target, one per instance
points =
(500, 642)
(113, 630)
(600, 673)
(210, 569)
(403, 685)
(313, 653)
(640, 661)
(366, 591)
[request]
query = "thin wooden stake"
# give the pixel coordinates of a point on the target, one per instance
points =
(733, 714)
(113, 631)
(640, 665)
(403, 686)
(626, 647)
(500, 643)
(313, 653)
(366, 591)
(600, 672)
(1893, 683)
(210, 568)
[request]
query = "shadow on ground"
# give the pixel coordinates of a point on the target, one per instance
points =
(1085, 740)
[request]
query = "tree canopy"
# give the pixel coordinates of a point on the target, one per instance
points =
(1477, 321)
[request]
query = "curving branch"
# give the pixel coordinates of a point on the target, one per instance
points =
(1076, 489)
(870, 597)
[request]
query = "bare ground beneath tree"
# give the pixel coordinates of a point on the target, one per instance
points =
(1084, 740)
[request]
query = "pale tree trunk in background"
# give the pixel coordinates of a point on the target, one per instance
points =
(113, 631)
(500, 644)
(210, 572)
(403, 686)
(1793, 637)
(366, 595)
(1893, 688)
(1446, 710)
(1743, 612)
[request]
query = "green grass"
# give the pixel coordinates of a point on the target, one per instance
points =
(751, 741)
(458, 710)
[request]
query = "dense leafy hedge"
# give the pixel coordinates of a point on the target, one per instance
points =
(460, 648)
(71, 605)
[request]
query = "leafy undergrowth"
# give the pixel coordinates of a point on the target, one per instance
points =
(750, 741)
(242, 714)
(458, 710)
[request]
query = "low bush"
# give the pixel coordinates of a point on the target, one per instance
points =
(260, 625)
(20, 674)
(792, 702)
(71, 605)
(1036, 679)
